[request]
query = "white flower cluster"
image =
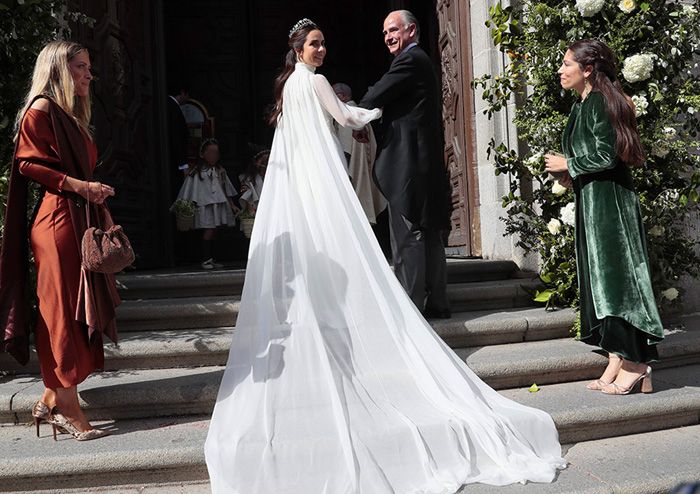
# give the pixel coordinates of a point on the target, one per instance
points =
(638, 67)
(640, 104)
(554, 226)
(657, 231)
(670, 293)
(589, 8)
(689, 10)
(568, 214)
(558, 189)
(627, 6)
(532, 163)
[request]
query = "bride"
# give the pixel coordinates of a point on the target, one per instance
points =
(335, 383)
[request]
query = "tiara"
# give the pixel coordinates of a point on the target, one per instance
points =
(302, 23)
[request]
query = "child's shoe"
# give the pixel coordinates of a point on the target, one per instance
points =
(210, 264)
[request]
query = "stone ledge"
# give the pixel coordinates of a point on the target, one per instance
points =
(209, 346)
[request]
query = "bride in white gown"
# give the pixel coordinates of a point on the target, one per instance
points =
(335, 384)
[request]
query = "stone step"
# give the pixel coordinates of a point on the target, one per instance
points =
(153, 455)
(138, 393)
(198, 283)
(209, 346)
(222, 311)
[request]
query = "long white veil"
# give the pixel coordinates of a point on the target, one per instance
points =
(335, 383)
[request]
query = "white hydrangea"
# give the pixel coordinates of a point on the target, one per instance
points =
(640, 104)
(627, 6)
(657, 231)
(554, 226)
(589, 8)
(670, 293)
(568, 214)
(558, 189)
(532, 163)
(689, 10)
(669, 132)
(638, 67)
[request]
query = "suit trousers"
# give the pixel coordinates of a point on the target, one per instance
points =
(418, 256)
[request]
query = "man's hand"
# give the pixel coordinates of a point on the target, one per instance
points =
(361, 135)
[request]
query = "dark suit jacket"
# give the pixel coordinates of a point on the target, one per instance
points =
(410, 166)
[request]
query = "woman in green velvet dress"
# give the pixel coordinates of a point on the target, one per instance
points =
(600, 144)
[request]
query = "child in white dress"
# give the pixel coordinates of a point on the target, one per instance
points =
(252, 182)
(208, 186)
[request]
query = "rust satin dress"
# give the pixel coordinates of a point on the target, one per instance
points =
(66, 355)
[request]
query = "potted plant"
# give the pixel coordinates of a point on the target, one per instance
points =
(247, 218)
(184, 214)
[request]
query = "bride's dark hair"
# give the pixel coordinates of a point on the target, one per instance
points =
(596, 54)
(296, 44)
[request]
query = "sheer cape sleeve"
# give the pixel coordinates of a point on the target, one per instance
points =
(347, 116)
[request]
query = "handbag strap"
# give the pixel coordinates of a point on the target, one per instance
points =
(87, 206)
(87, 202)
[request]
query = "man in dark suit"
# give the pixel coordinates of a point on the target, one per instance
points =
(410, 168)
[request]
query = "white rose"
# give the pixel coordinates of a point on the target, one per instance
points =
(558, 189)
(657, 231)
(627, 6)
(638, 67)
(589, 8)
(568, 214)
(640, 104)
(670, 294)
(554, 226)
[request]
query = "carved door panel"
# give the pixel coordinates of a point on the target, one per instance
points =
(128, 99)
(458, 117)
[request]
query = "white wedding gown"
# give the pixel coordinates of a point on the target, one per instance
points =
(335, 384)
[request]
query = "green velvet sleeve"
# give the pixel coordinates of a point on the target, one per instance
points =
(595, 139)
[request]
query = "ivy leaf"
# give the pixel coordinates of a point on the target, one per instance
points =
(543, 296)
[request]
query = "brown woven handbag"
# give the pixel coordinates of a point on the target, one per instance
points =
(105, 251)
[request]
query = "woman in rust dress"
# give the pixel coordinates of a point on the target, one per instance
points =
(54, 148)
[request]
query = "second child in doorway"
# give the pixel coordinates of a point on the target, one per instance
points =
(208, 186)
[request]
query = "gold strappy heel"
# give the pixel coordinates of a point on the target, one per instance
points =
(644, 379)
(597, 385)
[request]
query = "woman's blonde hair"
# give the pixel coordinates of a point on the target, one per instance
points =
(52, 77)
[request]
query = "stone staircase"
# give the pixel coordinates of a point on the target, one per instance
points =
(160, 384)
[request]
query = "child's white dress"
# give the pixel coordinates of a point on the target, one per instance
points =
(252, 195)
(210, 190)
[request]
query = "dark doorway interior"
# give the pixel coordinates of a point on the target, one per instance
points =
(230, 52)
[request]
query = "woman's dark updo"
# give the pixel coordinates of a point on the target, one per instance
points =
(297, 38)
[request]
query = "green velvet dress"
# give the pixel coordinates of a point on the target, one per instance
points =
(618, 309)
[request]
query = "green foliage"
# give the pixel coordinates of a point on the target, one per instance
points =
(183, 207)
(25, 27)
(534, 35)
